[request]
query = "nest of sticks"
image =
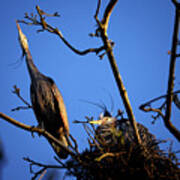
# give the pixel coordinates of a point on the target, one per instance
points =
(113, 154)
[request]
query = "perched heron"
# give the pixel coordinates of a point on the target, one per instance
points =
(47, 101)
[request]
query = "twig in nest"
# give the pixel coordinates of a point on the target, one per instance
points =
(89, 132)
(75, 147)
(108, 154)
(17, 92)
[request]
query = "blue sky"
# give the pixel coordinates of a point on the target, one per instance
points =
(142, 32)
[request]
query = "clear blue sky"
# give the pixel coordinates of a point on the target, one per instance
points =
(142, 32)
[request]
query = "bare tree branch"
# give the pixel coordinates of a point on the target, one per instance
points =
(170, 88)
(156, 99)
(46, 27)
(43, 168)
(37, 130)
(17, 92)
(109, 51)
(108, 12)
(170, 94)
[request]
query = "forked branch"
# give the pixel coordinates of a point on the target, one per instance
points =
(42, 167)
(170, 96)
(47, 27)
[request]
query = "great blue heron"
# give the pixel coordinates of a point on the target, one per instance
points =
(47, 101)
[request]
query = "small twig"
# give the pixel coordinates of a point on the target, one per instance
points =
(108, 154)
(80, 122)
(158, 115)
(154, 110)
(42, 174)
(75, 144)
(88, 131)
(17, 92)
(21, 108)
(97, 9)
(43, 167)
(156, 99)
(107, 13)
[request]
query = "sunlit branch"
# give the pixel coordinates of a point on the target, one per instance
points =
(37, 130)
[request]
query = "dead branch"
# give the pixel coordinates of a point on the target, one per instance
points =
(156, 99)
(158, 110)
(103, 25)
(75, 147)
(89, 132)
(16, 91)
(37, 130)
(43, 167)
(108, 12)
(46, 27)
(169, 98)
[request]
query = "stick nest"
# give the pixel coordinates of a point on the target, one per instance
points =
(113, 154)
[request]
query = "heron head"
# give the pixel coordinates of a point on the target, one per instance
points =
(22, 39)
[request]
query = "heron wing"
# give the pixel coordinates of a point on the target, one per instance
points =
(61, 106)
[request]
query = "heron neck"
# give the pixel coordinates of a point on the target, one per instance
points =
(33, 71)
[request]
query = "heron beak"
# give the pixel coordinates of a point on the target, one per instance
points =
(22, 39)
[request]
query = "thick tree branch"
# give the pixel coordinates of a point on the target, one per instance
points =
(37, 130)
